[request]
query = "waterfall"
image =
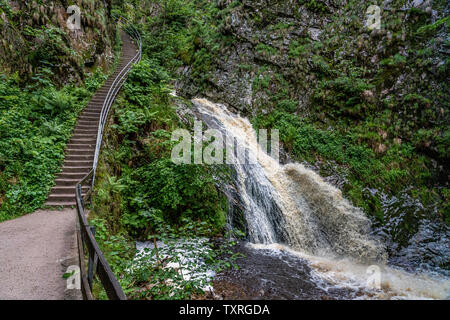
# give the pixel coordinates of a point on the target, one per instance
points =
(289, 203)
(291, 209)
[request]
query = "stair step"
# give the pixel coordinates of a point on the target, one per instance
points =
(86, 132)
(88, 118)
(96, 103)
(92, 139)
(81, 146)
(83, 125)
(67, 190)
(86, 129)
(93, 114)
(83, 141)
(95, 107)
(90, 115)
(66, 182)
(84, 170)
(62, 197)
(99, 100)
(88, 121)
(80, 134)
(68, 204)
(78, 163)
(101, 93)
(88, 124)
(71, 175)
(83, 157)
(79, 152)
(98, 108)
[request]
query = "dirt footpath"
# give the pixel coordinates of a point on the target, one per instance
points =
(35, 251)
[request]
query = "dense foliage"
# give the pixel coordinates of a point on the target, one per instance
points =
(151, 187)
(47, 75)
(35, 124)
(142, 195)
(34, 35)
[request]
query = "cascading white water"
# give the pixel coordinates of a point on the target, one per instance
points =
(293, 205)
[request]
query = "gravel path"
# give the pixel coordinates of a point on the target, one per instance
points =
(35, 251)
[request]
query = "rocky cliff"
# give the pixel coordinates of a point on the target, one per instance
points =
(317, 56)
(368, 108)
(35, 39)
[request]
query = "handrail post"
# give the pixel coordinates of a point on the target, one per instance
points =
(91, 261)
(80, 192)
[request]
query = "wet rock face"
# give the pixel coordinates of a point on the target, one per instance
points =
(279, 50)
(228, 86)
(35, 35)
(262, 32)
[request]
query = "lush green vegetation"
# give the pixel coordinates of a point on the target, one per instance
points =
(151, 187)
(398, 167)
(380, 124)
(46, 78)
(35, 124)
(390, 144)
(35, 36)
(141, 194)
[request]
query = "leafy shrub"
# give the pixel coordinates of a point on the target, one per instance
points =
(342, 96)
(35, 125)
(142, 195)
(288, 105)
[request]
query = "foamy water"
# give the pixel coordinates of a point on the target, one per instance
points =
(186, 256)
(345, 272)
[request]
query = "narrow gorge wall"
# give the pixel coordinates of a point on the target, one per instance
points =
(369, 109)
(35, 39)
(286, 54)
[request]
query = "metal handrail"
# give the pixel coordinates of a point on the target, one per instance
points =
(113, 91)
(85, 233)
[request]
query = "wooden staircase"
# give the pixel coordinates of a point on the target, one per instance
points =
(81, 148)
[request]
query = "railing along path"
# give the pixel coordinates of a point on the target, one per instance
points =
(97, 264)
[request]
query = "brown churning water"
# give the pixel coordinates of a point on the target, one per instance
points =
(291, 208)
